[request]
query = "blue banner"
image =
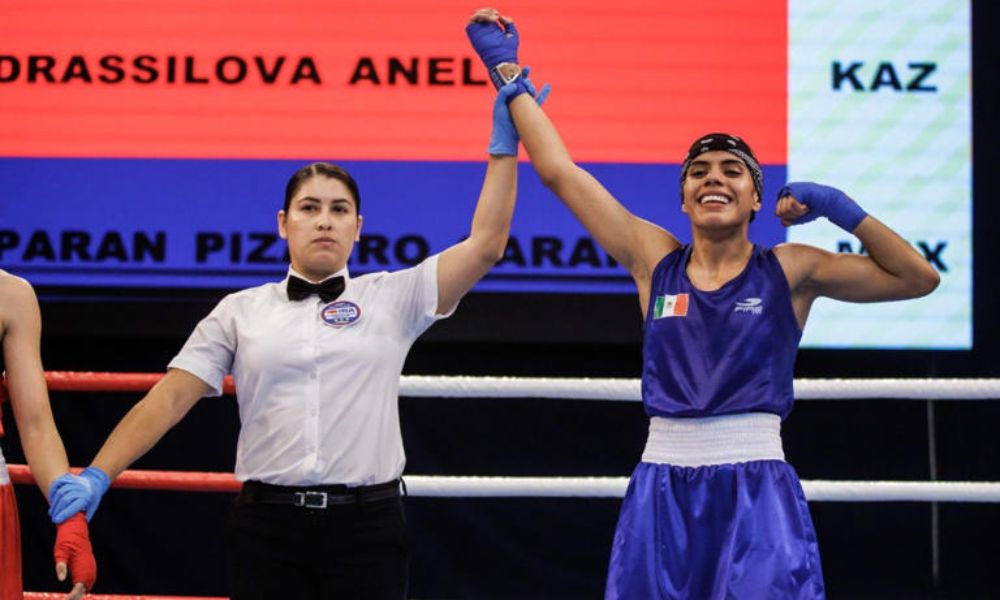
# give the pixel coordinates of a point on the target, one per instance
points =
(212, 223)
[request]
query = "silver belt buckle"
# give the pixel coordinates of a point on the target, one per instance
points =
(310, 499)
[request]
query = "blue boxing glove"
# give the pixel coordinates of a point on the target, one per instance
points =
(504, 139)
(70, 494)
(824, 201)
(495, 46)
(498, 46)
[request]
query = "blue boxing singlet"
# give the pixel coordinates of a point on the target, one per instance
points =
(713, 511)
(727, 351)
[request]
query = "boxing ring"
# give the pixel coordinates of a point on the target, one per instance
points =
(627, 390)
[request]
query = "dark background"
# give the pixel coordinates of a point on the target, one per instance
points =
(171, 542)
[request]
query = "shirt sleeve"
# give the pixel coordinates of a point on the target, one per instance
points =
(415, 292)
(208, 352)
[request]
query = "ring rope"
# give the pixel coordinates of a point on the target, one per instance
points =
(538, 487)
(62, 596)
(579, 388)
(426, 486)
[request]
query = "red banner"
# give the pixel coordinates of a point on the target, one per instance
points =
(633, 81)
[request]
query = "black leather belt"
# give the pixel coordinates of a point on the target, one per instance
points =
(318, 496)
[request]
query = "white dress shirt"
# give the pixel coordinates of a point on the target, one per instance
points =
(317, 383)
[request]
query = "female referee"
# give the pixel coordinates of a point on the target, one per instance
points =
(316, 359)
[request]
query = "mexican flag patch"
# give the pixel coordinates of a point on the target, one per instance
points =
(670, 306)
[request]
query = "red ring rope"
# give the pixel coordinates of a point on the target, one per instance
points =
(75, 381)
(62, 596)
(178, 481)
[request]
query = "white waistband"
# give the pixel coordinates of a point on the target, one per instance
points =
(4, 476)
(714, 440)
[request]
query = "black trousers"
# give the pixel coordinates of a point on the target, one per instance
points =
(350, 551)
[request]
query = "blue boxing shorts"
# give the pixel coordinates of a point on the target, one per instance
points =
(714, 512)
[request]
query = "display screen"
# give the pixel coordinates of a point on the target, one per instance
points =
(149, 145)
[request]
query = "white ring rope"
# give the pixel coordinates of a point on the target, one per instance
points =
(630, 389)
(579, 388)
(424, 486)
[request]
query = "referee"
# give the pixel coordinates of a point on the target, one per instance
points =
(316, 359)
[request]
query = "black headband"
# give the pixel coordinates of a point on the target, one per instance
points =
(726, 143)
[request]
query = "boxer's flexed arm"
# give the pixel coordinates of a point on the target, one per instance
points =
(892, 270)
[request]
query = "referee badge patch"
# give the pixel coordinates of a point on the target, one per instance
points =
(341, 314)
(670, 306)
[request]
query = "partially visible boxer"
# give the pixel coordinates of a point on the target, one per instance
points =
(20, 331)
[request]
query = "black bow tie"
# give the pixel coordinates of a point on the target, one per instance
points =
(300, 289)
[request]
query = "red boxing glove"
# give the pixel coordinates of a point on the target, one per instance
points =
(73, 549)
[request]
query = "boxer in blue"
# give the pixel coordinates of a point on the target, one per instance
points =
(713, 510)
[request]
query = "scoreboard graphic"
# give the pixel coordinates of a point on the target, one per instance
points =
(148, 144)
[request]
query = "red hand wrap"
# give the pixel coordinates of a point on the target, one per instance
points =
(73, 548)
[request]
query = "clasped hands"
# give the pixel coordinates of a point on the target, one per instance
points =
(72, 502)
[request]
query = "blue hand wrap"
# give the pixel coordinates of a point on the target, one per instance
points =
(494, 46)
(70, 494)
(825, 201)
(504, 139)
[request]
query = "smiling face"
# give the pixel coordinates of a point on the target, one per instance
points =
(321, 225)
(718, 191)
